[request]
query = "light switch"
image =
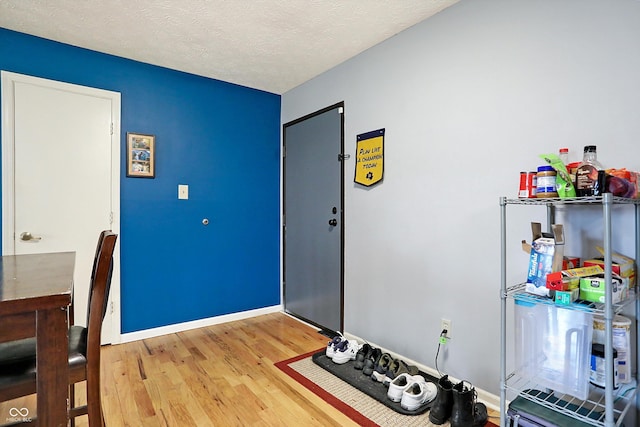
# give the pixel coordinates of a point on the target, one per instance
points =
(183, 191)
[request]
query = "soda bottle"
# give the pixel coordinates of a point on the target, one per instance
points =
(587, 182)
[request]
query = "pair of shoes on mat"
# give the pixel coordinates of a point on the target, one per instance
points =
(331, 345)
(380, 367)
(370, 360)
(412, 391)
(397, 367)
(365, 352)
(345, 351)
(387, 369)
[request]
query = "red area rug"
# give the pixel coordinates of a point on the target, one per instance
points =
(355, 404)
(285, 366)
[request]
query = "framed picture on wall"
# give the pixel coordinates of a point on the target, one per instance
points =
(141, 153)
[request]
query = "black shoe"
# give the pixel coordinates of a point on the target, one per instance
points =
(441, 409)
(362, 355)
(466, 411)
(370, 361)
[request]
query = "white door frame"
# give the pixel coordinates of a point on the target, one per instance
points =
(8, 140)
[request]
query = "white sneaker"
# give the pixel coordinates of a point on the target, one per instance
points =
(331, 346)
(417, 394)
(346, 351)
(400, 384)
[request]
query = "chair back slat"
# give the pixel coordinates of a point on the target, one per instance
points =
(93, 269)
(99, 293)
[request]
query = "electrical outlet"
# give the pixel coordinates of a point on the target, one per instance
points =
(445, 324)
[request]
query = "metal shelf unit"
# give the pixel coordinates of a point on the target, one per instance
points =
(614, 404)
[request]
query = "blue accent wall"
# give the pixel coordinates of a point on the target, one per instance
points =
(221, 139)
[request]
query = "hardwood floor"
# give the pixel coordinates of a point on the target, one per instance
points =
(218, 376)
(222, 375)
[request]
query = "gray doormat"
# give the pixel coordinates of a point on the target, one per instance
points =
(346, 372)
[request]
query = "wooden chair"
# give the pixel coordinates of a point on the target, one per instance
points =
(17, 358)
(93, 273)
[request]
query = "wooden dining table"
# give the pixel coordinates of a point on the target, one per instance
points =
(35, 295)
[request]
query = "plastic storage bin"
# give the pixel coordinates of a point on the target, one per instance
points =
(553, 346)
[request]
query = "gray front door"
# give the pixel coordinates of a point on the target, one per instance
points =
(313, 218)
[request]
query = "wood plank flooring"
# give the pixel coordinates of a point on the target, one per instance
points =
(222, 375)
(218, 376)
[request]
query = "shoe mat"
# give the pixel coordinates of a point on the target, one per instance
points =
(366, 384)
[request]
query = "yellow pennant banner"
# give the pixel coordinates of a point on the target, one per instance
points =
(370, 157)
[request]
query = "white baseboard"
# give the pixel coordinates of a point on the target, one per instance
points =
(180, 327)
(490, 400)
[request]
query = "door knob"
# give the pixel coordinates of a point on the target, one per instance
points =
(27, 237)
(333, 222)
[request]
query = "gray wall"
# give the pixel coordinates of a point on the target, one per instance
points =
(469, 98)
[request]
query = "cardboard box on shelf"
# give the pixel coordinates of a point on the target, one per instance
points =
(621, 265)
(545, 256)
(569, 262)
(593, 288)
(567, 297)
(570, 279)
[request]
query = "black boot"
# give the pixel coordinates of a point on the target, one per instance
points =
(441, 409)
(466, 411)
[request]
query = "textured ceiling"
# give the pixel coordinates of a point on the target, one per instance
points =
(272, 45)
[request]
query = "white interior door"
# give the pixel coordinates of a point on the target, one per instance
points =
(61, 188)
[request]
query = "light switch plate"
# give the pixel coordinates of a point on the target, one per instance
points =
(183, 191)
